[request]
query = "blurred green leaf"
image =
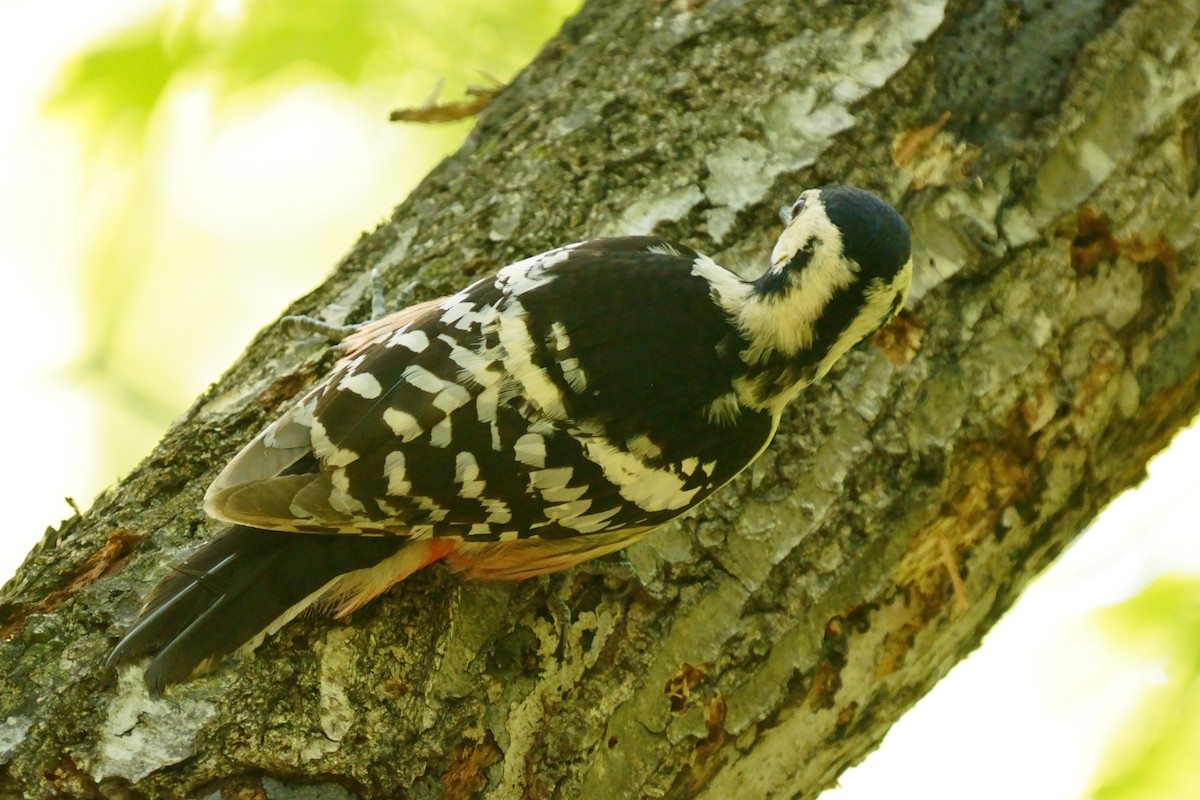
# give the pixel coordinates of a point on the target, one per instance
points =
(244, 58)
(115, 86)
(118, 83)
(1157, 756)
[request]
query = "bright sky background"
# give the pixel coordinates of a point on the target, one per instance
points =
(251, 203)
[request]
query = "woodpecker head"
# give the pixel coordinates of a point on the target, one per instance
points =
(844, 223)
(840, 271)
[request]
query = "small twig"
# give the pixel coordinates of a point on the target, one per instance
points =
(432, 111)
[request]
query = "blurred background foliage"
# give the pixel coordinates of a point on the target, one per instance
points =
(232, 153)
(185, 169)
(1157, 754)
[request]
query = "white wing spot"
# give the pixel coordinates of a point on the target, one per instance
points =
(573, 374)
(590, 523)
(465, 315)
(396, 471)
(554, 478)
(343, 503)
(471, 364)
(403, 424)
(565, 511)
(451, 398)
(648, 488)
(325, 450)
(363, 384)
(562, 342)
(466, 472)
(530, 273)
(565, 494)
(498, 511)
(518, 348)
(452, 300)
(642, 447)
(423, 379)
(455, 312)
(530, 449)
(299, 512)
(441, 434)
(416, 341)
(436, 512)
(724, 410)
(690, 465)
(486, 404)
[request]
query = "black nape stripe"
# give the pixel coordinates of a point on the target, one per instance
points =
(774, 282)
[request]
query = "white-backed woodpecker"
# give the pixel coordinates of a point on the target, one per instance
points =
(558, 410)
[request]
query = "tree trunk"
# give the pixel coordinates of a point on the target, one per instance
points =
(1046, 157)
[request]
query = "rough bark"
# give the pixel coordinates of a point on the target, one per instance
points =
(1046, 156)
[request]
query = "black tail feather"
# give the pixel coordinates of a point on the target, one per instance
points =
(231, 590)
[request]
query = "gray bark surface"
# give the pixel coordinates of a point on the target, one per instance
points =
(1046, 156)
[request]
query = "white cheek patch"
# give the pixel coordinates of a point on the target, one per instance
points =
(786, 323)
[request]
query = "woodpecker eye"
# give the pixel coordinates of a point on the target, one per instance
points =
(788, 213)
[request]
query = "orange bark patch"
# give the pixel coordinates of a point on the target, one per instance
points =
(900, 340)
(100, 563)
(465, 775)
(827, 680)
(909, 144)
(896, 645)
(679, 687)
(846, 715)
(990, 480)
(931, 156)
(68, 780)
(715, 710)
(1092, 241)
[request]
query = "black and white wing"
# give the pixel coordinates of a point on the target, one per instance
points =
(583, 391)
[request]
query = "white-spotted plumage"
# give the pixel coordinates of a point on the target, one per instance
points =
(556, 411)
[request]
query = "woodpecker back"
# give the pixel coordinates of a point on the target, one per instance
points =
(554, 412)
